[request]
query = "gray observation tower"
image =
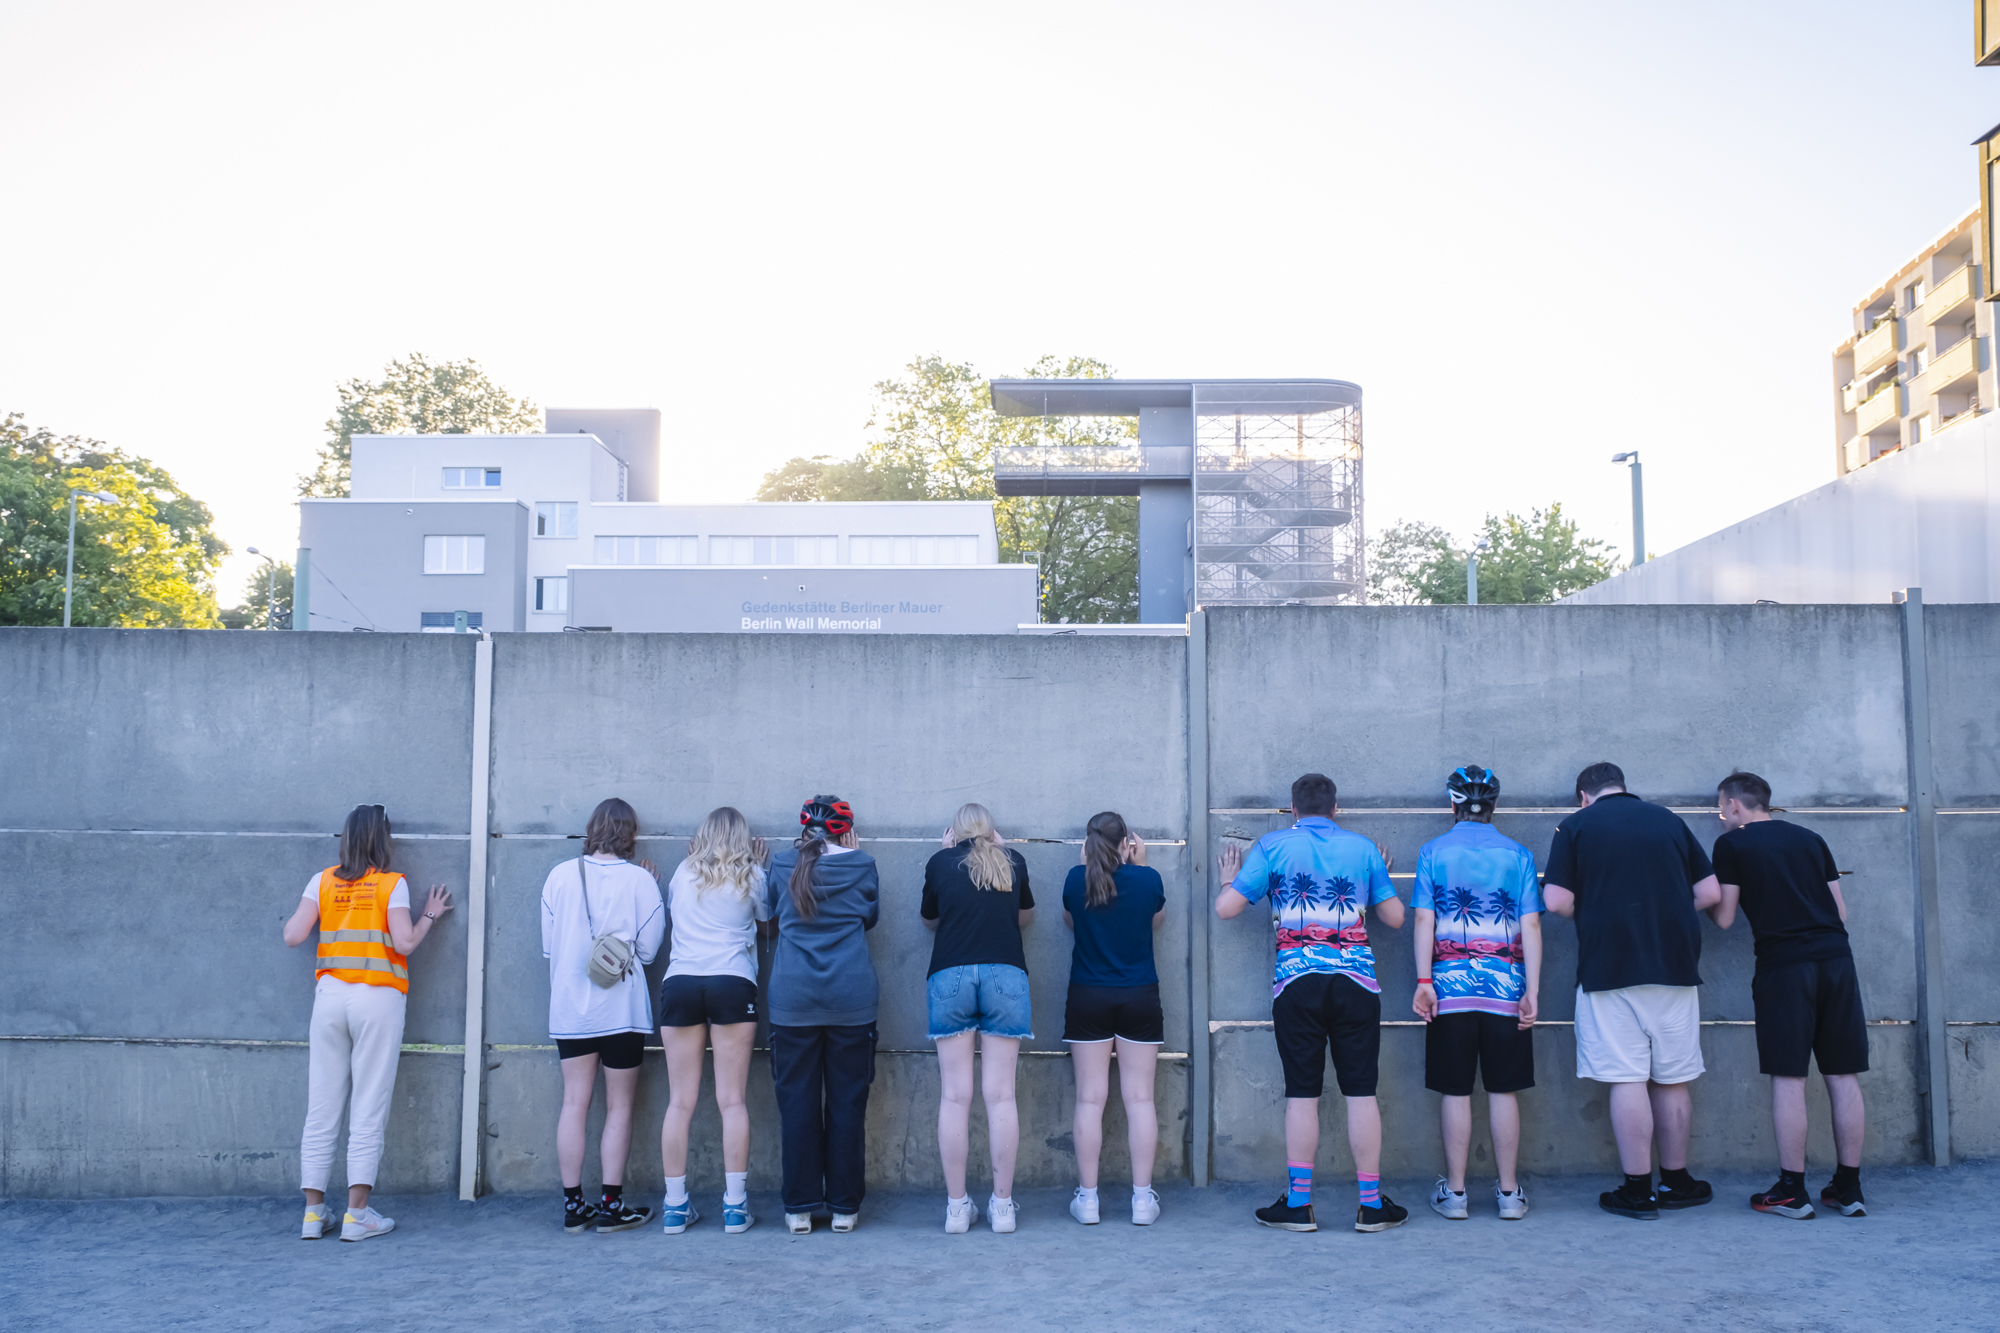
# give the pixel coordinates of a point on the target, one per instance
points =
(1249, 490)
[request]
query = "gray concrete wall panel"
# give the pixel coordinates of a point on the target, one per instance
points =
(1968, 852)
(1963, 647)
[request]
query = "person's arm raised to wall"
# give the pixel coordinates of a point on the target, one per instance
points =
(300, 928)
(1561, 869)
(1382, 895)
(405, 936)
(1723, 911)
(1229, 903)
(1707, 893)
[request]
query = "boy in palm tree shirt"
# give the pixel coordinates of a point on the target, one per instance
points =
(1479, 968)
(1321, 880)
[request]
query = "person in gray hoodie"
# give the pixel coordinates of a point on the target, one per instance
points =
(825, 897)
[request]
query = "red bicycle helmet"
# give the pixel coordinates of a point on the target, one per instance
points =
(828, 813)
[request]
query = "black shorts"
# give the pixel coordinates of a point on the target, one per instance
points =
(687, 1002)
(619, 1050)
(1099, 1013)
(1458, 1045)
(1319, 1010)
(1810, 1009)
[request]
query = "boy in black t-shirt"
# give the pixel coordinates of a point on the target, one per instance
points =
(1807, 997)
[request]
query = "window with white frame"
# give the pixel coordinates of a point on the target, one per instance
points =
(1920, 429)
(1915, 294)
(646, 551)
(471, 478)
(555, 518)
(953, 550)
(1920, 361)
(552, 594)
(454, 555)
(774, 550)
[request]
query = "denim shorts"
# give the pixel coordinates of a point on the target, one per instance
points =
(980, 997)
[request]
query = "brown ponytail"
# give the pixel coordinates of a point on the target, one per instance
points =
(1103, 852)
(810, 844)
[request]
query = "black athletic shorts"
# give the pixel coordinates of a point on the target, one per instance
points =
(619, 1050)
(1458, 1045)
(687, 1002)
(1319, 1010)
(1810, 1009)
(1099, 1013)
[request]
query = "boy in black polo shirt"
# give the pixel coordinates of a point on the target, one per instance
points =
(1808, 999)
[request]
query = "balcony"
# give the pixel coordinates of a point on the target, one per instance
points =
(1953, 370)
(1881, 410)
(1057, 469)
(1950, 296)
(1877, 347)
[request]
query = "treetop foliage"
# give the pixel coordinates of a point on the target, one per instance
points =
(1529, 560)
(423, 397)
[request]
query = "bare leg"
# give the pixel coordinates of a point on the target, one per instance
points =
(1003, 1119)
(684, 1048)
(1632, 1122)
(732, 1076)
(1673, 1119)
(1090, 1061)
(357, 1197)
(1364, 1134)
(1301, 1129)
(1788, 1115)
(621, 1086)
(1456, 1113)
(1503, 1115)
(954, 1109)
(579, 1075)
(1850, 1120)
(1137, 1063)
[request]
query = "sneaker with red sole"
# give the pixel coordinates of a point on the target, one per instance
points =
(1785, 1201)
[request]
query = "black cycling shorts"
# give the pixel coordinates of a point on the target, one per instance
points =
(687, 1002)
(1321, 1010)
(1810, 1009)
(618, 1050)
(1099, 1013)
(1456, 1046)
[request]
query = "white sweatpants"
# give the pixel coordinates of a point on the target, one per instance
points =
(357, 1033)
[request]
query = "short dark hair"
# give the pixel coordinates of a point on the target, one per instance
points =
(364, 843)
(613, 829)
(1597, 778)
(1747, 788)
(1313, 794)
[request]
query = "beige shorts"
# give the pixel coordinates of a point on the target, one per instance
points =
(1639, 1033)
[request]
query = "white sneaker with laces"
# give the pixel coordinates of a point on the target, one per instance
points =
(799, 1224)
(1447, 1202)
(365, 1224)
(959, 1215)
(1513, 1207)
(1083, 1207)
(1145, 1206)
(1001, 1213)
(317, 1217)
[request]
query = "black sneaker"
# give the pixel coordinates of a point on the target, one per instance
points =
(621, 1217)
(1848, 1201)
(1691, 1195)
(1287, 1218)
(578, 1216)
(1390, 1214)
(1640, 1206)
(1785, 1202)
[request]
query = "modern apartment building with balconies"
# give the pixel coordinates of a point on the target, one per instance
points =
(1920, 360)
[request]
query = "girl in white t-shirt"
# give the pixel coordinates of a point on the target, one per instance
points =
(709, 997)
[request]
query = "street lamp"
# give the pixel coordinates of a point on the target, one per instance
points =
(69, 567)
(1472, 570)
(1638, 506)
(271, 592)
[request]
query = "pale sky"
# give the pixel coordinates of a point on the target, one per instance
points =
(1536, 233)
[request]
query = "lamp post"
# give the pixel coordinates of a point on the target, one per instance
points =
(69, 565)
(271, 588)
(1472, 570)
(1638, 505)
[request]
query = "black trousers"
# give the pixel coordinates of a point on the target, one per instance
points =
(822, 1076)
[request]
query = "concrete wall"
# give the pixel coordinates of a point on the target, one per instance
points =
(169, 793)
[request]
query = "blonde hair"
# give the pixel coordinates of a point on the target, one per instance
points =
(986, 861)
(719, 852)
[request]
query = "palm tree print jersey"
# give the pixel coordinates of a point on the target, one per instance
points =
(1321, 880)
(1480, 883)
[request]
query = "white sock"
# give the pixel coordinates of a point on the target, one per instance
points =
(1141, 1191)
(677, 1191)
(735, 1186)
(963, 1198)
(1088, 1191)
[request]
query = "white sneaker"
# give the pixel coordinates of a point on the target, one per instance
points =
(1513, 1207)
(366, 1223)
(1145, 1206)
(799, 1224)
(1447, 1202)
(959, 1216)
(1001, 1213)
(846, 1221)
(1083, 1207)
(317, 1217)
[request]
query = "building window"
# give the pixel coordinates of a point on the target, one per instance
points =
(552, 594)
(1920, 429)
(555, 518)
(774, 550)
(1920, 361)
(446, 622)
(646, 551)
(454, 555)
(913, 550)
(471, 478)
(1913, 296)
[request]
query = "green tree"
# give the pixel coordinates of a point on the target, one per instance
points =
(1396, 557)
(1536, 559)
(148, 560)
(259, 608)
(415, 394)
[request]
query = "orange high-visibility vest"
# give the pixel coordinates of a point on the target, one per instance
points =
(354, 930)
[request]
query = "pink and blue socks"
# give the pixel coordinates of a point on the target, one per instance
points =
(1299, 1192)
(1370, 1184)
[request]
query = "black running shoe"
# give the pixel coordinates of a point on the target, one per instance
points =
(1785, 1202)
(578, 1216)
(1642, 1206)
(1692, 1195)
(1390, 1214)
(621, 1217)
(1287, 1218)
(1848, 1201)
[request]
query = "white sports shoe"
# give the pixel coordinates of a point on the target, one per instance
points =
(317, 1217)
(846, 1221)
(1447, 1202)
(1145, 1206)
(959, 1216)
(799, 1224)
(1001, 1213)
(364, 1224)
(1083, 1207)
(1513, 1207)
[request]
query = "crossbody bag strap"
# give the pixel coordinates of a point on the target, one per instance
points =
(584, 880)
